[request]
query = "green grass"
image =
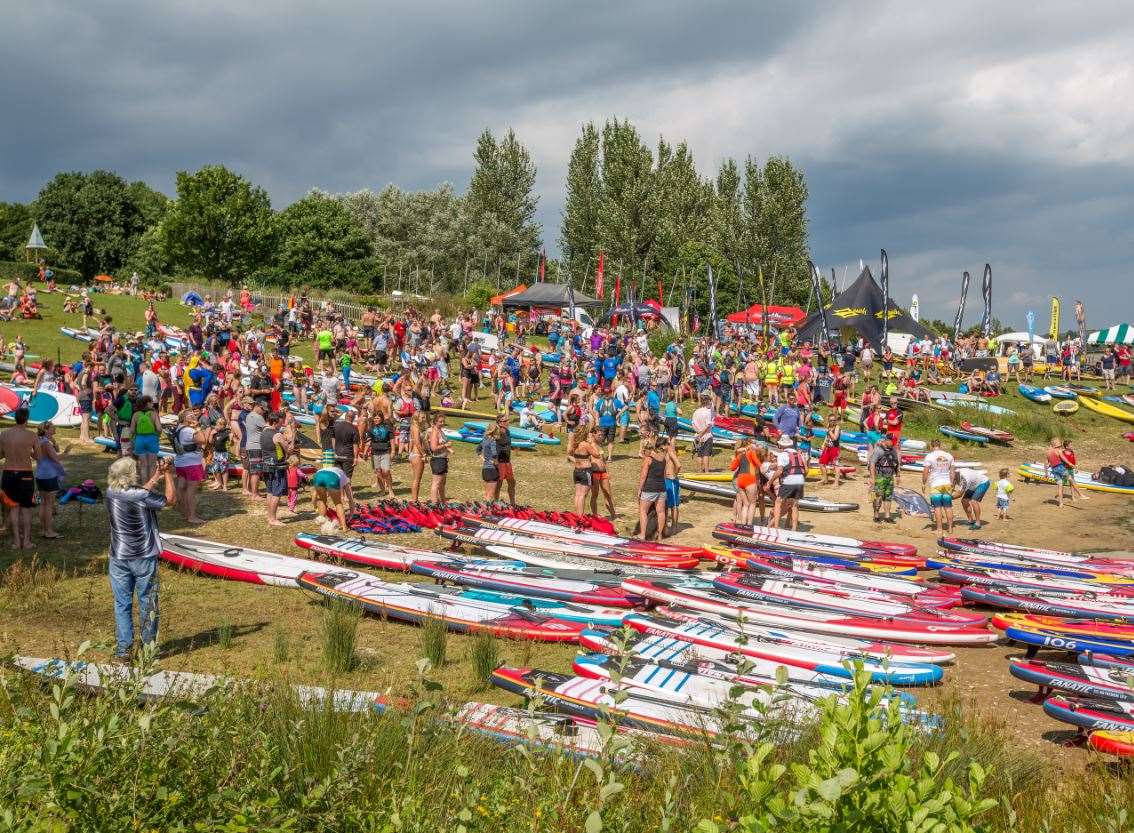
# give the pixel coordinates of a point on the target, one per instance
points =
(250, 756)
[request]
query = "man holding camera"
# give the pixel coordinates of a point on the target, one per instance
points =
(134, 548)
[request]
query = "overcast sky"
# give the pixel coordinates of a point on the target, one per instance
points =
(949, 134)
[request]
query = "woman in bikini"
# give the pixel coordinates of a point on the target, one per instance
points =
(581, 451)
(419, 428)
(600, 481)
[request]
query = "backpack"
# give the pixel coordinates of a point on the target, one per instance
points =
(173, 434)
(607, 407)
(1116, 476)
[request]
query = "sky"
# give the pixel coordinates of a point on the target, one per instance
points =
(949, 134)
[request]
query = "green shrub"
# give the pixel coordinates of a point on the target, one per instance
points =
(861, 775)
(479, 294)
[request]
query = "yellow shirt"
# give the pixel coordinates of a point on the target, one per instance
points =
(787, 373)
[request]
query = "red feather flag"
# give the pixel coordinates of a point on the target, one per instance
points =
(617, 289)
(600, 285)
(661, 288)
(542, 264)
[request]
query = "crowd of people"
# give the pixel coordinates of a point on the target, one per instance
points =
(226, 399)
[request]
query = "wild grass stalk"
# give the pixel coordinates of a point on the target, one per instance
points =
(340, 635)
(485, 659)
(434, 642)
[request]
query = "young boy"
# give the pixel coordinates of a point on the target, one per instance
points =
(1004, 489)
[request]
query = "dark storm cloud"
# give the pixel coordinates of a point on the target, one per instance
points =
(950, 135)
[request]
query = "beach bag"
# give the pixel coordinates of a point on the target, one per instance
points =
(1116, 476)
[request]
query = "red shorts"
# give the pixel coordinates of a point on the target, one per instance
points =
(840, 399)
(192, 474)
(896, 436)
(829, 456)
(505, 470)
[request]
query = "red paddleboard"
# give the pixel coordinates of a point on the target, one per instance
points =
(1112, 743)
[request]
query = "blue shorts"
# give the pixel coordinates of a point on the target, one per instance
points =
(145, 444)
(1060, 473)
(672, 493)
(941, 500)
(1002, 503)
(976, 494)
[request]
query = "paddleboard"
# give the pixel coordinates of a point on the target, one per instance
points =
(235, 562)
(418, 604)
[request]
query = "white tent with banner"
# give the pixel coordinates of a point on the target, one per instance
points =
(1118, 334)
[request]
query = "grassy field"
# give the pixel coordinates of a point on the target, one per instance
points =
(59, 598)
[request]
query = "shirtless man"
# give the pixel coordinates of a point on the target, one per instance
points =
(19, 447)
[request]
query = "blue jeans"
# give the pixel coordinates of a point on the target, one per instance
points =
(128, 575)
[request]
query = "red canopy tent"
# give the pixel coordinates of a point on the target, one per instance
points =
(777, 316)
(497, 300)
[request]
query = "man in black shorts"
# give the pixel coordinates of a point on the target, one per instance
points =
(346, 440)
(275, 451)
(20, 448)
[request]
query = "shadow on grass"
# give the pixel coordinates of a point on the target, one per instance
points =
(207, 638)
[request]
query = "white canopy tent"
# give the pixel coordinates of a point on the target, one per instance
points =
(1019, 340)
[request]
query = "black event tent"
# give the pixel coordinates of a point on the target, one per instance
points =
(549, 295)
(858, 309)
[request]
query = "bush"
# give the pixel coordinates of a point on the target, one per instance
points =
(479, 294)
(434, 642)
(14, 270)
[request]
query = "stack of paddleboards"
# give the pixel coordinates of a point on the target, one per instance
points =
(460, 609)
(1050, 583)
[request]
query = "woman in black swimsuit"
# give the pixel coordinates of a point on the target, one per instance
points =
(439, 449)
(651, 488)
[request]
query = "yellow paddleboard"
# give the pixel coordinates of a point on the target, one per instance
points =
(1065, 407)
(1106, 409)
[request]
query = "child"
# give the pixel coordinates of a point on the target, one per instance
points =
(1004, 488)
(295, 479)
(219, 463)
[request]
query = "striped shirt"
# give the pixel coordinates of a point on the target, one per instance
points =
(133, 523)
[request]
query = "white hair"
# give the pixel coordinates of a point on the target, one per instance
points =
(122, 475)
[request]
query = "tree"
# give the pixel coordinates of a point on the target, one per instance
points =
(15, 229)
(683, 206)
(628, 222)
(221, 226)
(579, 238)
(502, 203)
(320, 244)
(93, 220)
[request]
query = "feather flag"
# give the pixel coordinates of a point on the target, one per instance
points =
(986, 291)
(571, 301)
(542, 264)
(885, 299)
(915, 308)
(1031, 317)
(600, 284)
(617, 289)
(712, 302)
(1053, 326)
(817, 289)
(961, 306)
